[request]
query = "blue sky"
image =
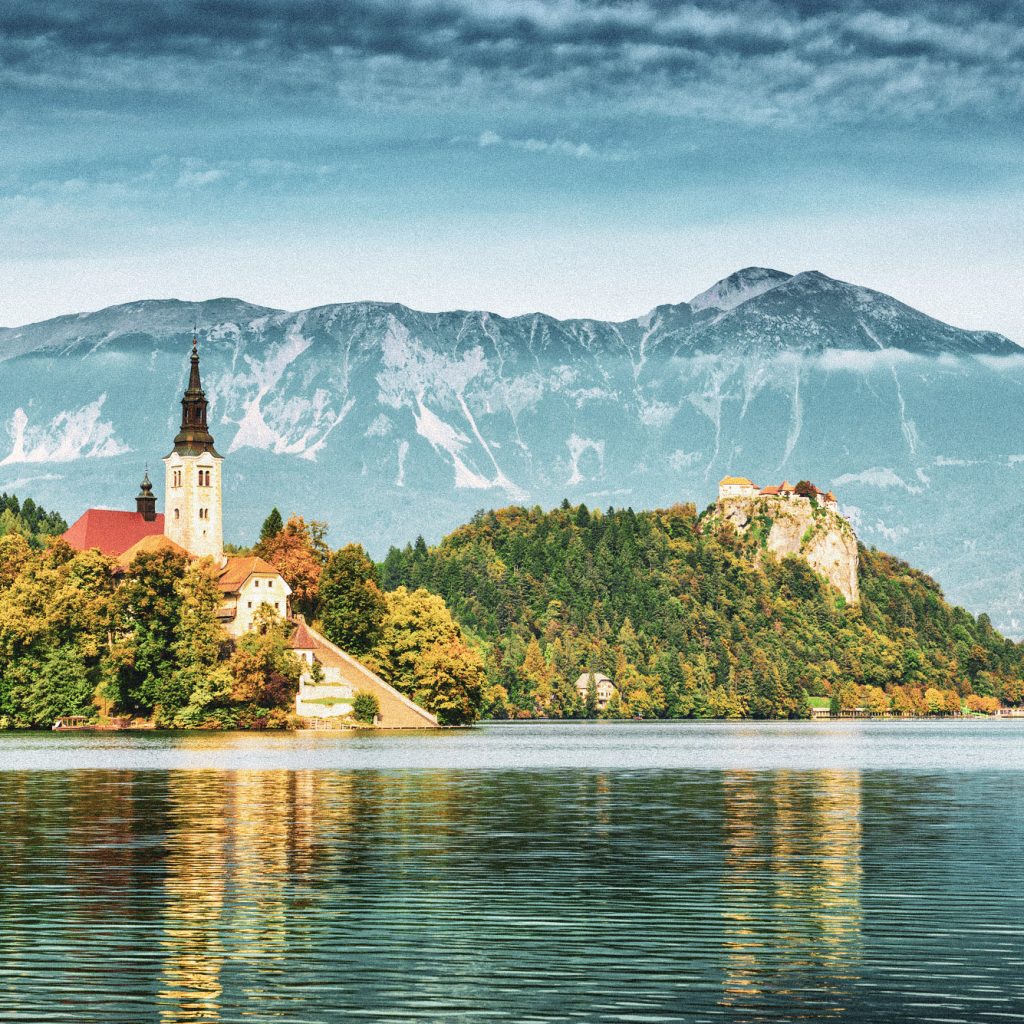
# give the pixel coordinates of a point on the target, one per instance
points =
(579, 157)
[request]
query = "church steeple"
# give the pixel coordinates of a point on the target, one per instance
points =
(194, 436)
(193, 516)
(145, 500)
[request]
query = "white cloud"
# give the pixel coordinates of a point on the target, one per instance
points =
(556, 147)
(197, 179)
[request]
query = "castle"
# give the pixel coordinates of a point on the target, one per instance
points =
(193, 526)
(741, 487)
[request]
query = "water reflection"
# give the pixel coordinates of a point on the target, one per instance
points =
(198, 834)
(791, 891)
(585, 896)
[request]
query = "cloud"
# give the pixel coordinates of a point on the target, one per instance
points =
(557, 147)
(749, 61)
(190, 178)
(859, 361)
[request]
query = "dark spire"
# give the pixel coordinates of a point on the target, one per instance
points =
(145, 500)
(194, 437)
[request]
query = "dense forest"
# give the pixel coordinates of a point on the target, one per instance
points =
(29, 520)
(691, 622)
(687, 617)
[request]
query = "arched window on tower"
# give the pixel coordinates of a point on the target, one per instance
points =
(177, 515)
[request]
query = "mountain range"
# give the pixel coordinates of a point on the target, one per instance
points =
(389, 422)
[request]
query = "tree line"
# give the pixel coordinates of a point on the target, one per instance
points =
(687, 617)
(690, 620)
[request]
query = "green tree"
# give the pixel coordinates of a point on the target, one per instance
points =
(272, 526)
(352, 607)
(365, 707)
(422, 652)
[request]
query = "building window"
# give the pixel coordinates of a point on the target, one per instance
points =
(250, 604)
(177, 515)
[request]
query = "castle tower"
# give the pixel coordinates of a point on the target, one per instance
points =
(193, 516)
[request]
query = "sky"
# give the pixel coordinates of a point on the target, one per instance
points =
(578, 157)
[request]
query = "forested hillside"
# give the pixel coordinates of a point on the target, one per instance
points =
(29, 520)
(692, 623)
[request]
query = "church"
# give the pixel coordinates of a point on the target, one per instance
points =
(193, 523)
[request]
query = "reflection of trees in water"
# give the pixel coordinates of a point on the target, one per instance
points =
(792, 891)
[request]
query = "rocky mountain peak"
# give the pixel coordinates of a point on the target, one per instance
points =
(738, 288)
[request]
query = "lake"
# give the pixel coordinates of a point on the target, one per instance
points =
(539, 872)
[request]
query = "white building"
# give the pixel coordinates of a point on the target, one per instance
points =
(603, 687)
(737, 487)
(194, 516)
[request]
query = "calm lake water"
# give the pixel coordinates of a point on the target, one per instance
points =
(858, 871)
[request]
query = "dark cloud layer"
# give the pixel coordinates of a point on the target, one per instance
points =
(747, 62)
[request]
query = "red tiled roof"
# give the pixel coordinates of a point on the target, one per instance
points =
(239, 569)
(302, 639)
(111, 531)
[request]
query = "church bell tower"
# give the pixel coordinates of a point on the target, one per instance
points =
(193, 516)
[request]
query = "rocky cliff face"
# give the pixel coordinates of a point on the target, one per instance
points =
(793, 526)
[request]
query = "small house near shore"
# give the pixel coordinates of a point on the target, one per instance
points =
(604, 688)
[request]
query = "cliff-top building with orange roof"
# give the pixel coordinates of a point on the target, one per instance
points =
(732, 487)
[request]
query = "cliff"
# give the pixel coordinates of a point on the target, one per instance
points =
(794, 526)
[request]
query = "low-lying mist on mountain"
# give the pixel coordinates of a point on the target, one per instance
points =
(389, 423)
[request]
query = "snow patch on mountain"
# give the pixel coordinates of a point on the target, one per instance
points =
(403, 451)
(380, 427)
(70, 435)
(680, 460)
(734, 290)
(577, 446)
(263, 375)
(877, 476)
(446, 438)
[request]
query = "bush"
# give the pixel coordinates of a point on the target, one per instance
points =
(365, 707)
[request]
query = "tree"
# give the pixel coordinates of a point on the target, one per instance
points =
(272, 526)
(297, 552)
(365, 707)
(934, 701)
(352, 607)
(422, 652)
(265, 670)
(147, 611)
(201, 682)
